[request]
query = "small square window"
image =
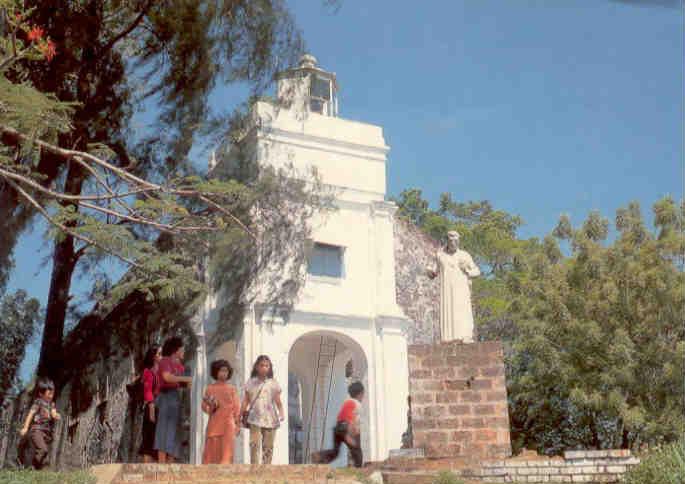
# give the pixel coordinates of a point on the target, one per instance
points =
(316, 106)
(321, 88)
(326, 260)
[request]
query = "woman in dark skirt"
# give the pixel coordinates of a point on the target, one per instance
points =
(167, 432)
(150, 381)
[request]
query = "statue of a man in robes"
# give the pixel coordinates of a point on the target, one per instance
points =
(455, 268)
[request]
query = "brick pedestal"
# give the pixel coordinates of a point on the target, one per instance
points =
(459, 400)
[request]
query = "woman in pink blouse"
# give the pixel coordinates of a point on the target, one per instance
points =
(168, 403)
(150, 391)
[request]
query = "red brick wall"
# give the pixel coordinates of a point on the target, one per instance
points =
(459, 400)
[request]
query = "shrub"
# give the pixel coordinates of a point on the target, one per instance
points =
(46, 477)
(446, 477)
(666, 465)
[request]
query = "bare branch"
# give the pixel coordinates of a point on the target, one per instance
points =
(174, 229)
(104, 184)
(66, 154)
(12, 136)
(226, 212)
(128, 29)
(66, 229)
(28, 181)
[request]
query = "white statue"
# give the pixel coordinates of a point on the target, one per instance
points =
(456, 268)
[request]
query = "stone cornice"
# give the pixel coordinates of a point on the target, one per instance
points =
(330, 145)
(385, 323)
(390, 324)
(383, 208)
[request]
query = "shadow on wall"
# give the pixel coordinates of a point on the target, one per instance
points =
(417, 295)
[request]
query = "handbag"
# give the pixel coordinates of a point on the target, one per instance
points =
(246, 413)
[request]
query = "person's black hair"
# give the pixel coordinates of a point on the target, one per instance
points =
(355, 389)
(218, 365)
(43, 385)
(149, 360)
(261, 358)
(171, 346)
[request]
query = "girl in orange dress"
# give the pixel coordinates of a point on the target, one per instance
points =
(222, 404)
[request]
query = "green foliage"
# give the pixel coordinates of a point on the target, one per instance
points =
(447, 477)
(665, 465)
(599, 356)
(489, 235)
(38, 114)
(46, 477)
(18, 318)
(594, 340)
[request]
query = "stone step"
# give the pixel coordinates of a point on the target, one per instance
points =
(246, 480)
(421, 477)
(229, 474)
(409, 477)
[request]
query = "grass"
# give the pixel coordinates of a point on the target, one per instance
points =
(665, 465)
(447, 477)
(351, 472)
(46, 477)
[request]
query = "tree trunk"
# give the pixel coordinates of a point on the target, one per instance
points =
(64, 257)
(64, 261)
(625, 440)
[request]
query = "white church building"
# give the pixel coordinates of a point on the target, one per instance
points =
(346, 324)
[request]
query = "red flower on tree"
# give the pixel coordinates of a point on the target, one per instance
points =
(48, 50)
(36, 33)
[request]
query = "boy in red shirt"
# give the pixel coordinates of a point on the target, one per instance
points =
(347, 429)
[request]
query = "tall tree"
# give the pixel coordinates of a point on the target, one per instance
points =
(112, 55)
(19, 317)
(599, 358)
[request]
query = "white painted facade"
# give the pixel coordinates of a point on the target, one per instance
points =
(356, 313)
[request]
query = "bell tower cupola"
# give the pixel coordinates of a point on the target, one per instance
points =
(309, 86)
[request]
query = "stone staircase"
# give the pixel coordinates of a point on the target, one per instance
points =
(222, 474)
(590, 467)
(376, 473)
(426, 471)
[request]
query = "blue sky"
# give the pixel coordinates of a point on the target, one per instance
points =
(542, 107)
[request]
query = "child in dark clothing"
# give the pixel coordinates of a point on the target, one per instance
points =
(347, 429)
(39, 423)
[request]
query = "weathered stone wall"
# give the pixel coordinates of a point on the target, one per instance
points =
(459, 400)
(592, 466)
(417, 294)
(99, 431)
(100, 423)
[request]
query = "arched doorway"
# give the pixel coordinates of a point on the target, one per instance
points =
(321, 365)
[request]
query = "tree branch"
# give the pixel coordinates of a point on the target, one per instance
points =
(66, 229)
(174, 229)
(6, 131)
(104, 184)
(128, 29)
(226, 212)
(28, 181)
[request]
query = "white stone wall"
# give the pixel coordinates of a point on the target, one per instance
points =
(591, 466)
